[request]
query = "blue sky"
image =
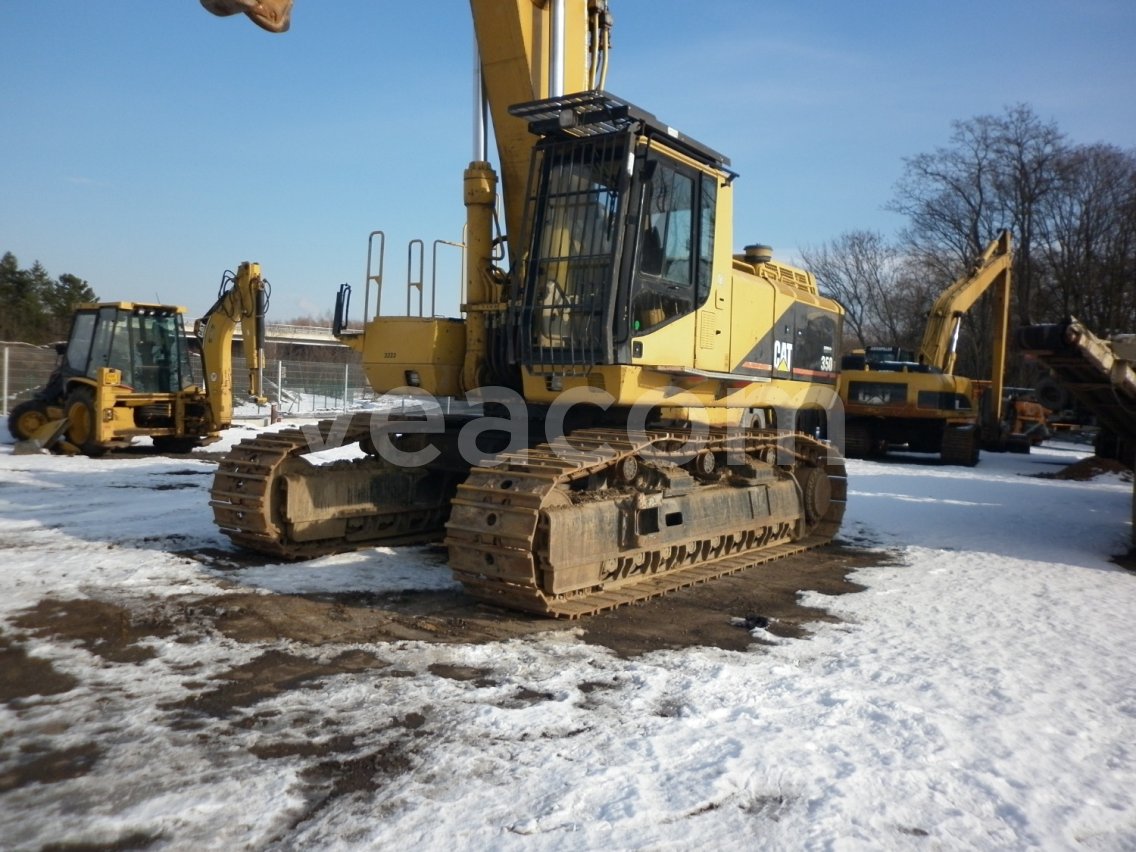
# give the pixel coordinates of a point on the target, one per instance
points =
(147, 145)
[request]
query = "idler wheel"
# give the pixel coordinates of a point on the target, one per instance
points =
(817, 492)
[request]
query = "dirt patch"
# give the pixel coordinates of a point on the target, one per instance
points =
(720, 613)
(360, 617)
(479, 677)
(1090, 468)
(272, 673)
(22, 676)
(363, 774)
(105, 629)
(47, 766)
(335, 775)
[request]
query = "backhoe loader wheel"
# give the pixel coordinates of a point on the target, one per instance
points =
(82, 422)
(26, 418)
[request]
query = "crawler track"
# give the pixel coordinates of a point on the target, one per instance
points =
(564, 529)
(249, 495)
(514, 542)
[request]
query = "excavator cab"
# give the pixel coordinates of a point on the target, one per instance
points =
(621, 211)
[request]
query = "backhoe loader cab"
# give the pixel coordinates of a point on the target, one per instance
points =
(146, 344)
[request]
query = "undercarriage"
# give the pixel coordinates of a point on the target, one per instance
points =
(597, 519)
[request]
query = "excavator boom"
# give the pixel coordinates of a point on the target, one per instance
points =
(241, 302)
(940, 338)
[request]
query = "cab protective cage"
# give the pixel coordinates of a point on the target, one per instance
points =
(592, 274)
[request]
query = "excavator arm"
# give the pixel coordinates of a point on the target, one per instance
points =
(243, 302)
(940, 339)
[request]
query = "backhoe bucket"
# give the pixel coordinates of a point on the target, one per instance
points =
(42, 439)
(272, 15)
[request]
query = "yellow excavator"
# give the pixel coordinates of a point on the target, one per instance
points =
(893, 398)
(625, 407)
(125, 371)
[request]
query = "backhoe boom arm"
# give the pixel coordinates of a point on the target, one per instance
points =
(242, 301)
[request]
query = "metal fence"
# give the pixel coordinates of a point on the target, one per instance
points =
(296, 386)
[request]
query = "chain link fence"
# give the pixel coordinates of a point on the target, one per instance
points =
(297, 387)
(305, 387)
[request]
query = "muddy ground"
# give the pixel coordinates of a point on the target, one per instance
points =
(721, 614)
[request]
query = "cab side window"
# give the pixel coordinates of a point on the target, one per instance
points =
(709, 198)
(79, 346)
(675, 245)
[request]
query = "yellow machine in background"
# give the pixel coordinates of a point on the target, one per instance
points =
(126, 372)
(629, 407)
(918, 403)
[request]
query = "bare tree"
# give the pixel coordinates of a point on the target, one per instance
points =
(1030, 157)
(950, 197)
(1088, 240)
(1072, 212)
(852, 269)
(997, 172)
(883, 298)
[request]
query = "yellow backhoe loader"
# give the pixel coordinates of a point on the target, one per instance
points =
(893, 398)
(625, 406)
(126, 372)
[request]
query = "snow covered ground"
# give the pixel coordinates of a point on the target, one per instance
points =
(979, 694)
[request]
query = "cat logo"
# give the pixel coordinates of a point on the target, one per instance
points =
(782, 356)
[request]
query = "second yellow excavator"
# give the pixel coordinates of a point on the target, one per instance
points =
(625, 407)
(892, 398)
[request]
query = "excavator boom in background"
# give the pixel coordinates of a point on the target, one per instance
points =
(625, 407)
(892, 399)
(1100, 375)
